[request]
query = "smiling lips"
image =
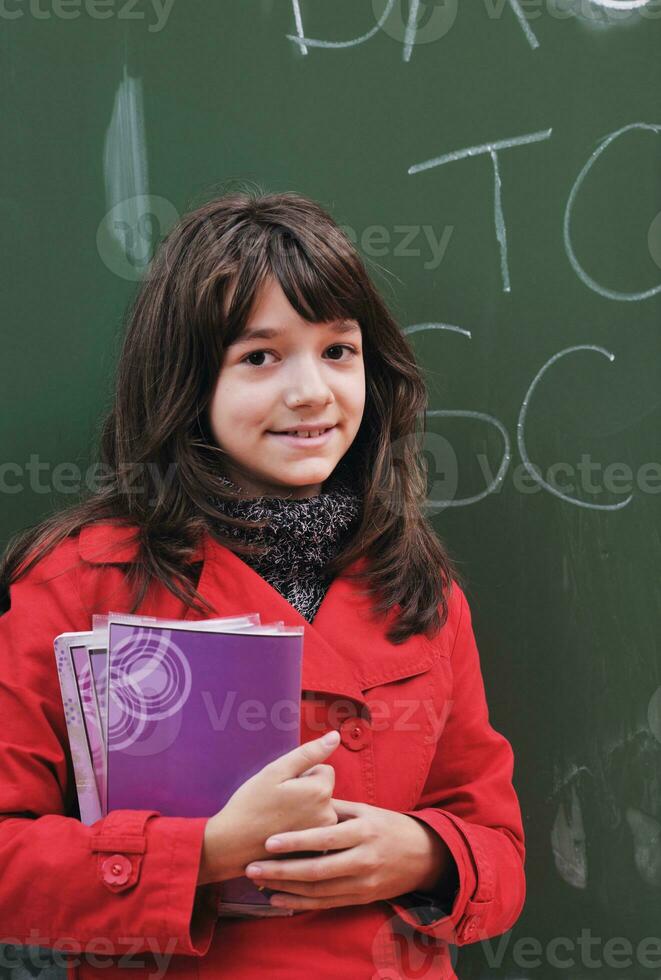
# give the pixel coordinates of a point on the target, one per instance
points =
(315, 436)
(305, 428)
(305, 433)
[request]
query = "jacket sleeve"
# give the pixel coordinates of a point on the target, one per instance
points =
(130, 878)
(469, 800)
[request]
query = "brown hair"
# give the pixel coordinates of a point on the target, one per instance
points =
(177, 329)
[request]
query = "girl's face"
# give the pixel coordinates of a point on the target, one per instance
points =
(292, 374)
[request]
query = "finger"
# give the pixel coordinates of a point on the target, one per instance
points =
(333, 838)
(336, 865)
(303, 903)
(347, 808)
(305, 756)
(299, 788)
(313, 889)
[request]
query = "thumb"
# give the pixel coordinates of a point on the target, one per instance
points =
(305, 756)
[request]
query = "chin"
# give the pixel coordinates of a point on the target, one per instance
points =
(302, 479)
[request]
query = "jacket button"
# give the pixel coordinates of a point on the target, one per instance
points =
(116, 869)
(354, 733)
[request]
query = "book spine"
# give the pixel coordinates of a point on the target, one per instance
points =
(88, 796)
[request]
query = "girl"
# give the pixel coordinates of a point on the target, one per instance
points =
(261, 455)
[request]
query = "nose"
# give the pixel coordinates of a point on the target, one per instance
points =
(306, 385)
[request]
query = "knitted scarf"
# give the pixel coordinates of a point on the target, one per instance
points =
(301, 537)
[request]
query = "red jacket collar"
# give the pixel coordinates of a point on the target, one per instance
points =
(346, 651)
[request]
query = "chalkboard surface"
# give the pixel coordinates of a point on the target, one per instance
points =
(498, 164)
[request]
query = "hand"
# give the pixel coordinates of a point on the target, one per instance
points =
(274, 799)
(375, 854)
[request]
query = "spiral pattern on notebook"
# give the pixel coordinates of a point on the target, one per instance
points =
(150, 680)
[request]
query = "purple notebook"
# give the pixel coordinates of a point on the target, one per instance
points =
(183, 713)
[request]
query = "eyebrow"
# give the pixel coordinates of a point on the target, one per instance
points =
(267, 333)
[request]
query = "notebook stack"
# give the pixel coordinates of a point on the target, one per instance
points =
(174, 716)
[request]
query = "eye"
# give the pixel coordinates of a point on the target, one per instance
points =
(259, 353)
(346, 347)
(255, 353)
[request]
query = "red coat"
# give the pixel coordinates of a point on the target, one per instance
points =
(437, 758)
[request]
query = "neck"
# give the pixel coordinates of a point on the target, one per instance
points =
(297, 540)
(249, 487)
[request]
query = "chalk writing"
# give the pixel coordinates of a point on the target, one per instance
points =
(521, 427)
(569, 248)
(492, 149)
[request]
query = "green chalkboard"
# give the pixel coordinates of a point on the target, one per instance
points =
(498, 164)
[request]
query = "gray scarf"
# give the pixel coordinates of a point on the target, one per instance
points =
(301, 537)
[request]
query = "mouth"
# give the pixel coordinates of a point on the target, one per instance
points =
(316, 437)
